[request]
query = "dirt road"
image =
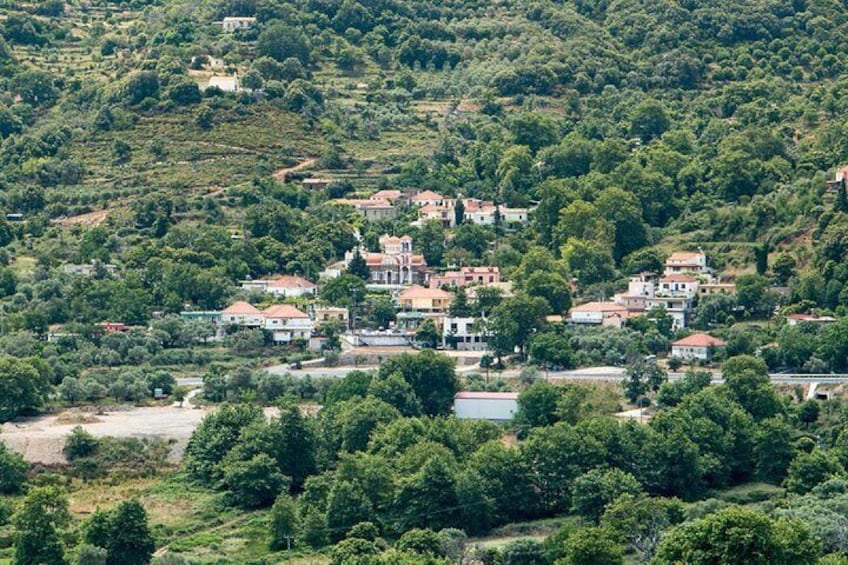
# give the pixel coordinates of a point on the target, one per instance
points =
(280, 174)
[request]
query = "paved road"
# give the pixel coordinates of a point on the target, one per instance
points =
(601, 374)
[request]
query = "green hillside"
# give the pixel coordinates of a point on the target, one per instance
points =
(152, 160)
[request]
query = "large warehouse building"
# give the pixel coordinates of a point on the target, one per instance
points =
(493, 406)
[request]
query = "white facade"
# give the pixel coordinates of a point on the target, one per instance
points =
(243, 319)
(484, 215)
(514, 215)
(464, 333)
(285, 330)
(291, 287)
(492, 406)
(691, 352)
(595, 317)
(675, 293)
(226, 84)
(683, 262)
(231, 24)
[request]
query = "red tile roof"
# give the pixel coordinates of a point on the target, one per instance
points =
(286, 311)
(699, 340)
(290, 281)
(417, 291)
(683, 256)
(240, 308)
(610, 307)
(427, 195)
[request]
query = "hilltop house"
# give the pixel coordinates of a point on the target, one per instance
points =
(286, 323)
(231, 24)
(483, 213)
(698, 346)
(370, 208)
(225, 83)
(316, 183)
(686, 262)
(287, 286)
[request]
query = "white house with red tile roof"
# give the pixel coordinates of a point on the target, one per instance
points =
(241, 313)
(428, 198)
(796, 319)
(287, 286)
(445, 215)
(372, 209)
(676, 293)
(599, 313)
(686, 262)
(677, 285)
(493, 406)
(696, 346)
(483, 213)
(286, 323)
(387, 194)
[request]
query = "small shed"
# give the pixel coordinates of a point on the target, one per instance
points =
(492, 406)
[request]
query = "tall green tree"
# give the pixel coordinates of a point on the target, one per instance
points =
(39, 522)
(742, 536)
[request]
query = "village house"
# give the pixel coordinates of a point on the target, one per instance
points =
(370, 209)
(390, 195)
(463, 334)
(840, 178)
(422, 299)
(514, 215)
(445, 215)
(324, 314)
(676, 293)
(88, 269)
(686, 262)
(484, 214)
(599, 313)
(316, 183)
(797, 319)
(428, 198)
(492, 406)
(287, 286)
(397, 265)
(241, 313)
(698, 346)
(466, 276)
(286, 323)
(706, 289)
(208, 316)
(504, 287)
(225, 83)
(231, 24)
